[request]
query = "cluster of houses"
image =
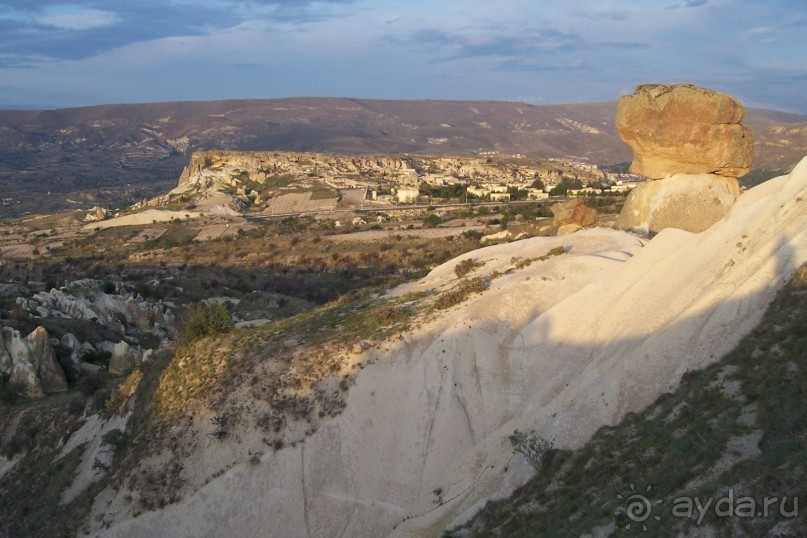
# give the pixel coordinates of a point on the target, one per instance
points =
(397, 180)
(498, 192)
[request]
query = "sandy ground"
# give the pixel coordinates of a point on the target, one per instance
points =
(148, 216)
(563, 346)
(217, 231)
(297, 203)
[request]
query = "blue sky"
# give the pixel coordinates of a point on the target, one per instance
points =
(85, 52)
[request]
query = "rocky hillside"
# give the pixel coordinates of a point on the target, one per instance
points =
(390, 414)
(279, 182)
(123, 153)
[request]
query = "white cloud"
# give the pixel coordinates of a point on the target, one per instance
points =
(77, 18)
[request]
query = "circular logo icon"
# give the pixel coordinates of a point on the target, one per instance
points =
(637, 507)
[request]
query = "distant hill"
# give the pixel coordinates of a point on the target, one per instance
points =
(117, 154)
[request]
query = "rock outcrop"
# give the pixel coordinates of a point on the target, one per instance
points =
(31, 362)
(684, 201)
(684, 129)
(691, 140)
(573, 212)
(96, 214)
(83, 299)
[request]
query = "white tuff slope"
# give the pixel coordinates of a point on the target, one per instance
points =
(563, 346)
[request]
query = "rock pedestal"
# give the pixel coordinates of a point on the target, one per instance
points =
(688, 202)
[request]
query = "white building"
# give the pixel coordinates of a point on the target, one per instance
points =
(499, 196)
(407, 195)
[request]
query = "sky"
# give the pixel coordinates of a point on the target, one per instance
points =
(88, 52)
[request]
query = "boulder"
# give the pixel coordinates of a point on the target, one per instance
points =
(687, 202)
(573, 212)
(122, 360)
(684, 129)
(567, 229)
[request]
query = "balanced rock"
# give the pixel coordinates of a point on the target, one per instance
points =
(573, 212)
(684, 129)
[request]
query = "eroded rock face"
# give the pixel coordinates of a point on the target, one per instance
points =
(684, 129)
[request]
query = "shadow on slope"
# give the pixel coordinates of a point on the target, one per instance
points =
(735, 430)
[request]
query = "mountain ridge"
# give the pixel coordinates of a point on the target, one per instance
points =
(118, 154)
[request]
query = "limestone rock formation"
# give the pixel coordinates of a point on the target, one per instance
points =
(96, 214)
(688, 202)
(684, 129)
(72, 343)
(31, 361)
(573, 212)
(83, 299)
(122, 360)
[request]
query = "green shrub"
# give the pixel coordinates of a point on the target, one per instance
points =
(205, 320)
(112, 440)
(534, 447)
(432, 220)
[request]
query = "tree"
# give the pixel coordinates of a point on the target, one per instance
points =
(432, 220)
(560, 190)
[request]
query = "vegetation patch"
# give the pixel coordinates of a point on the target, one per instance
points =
(116, 404)
(521, 263)
(466, 266)
(204, 320)
(460, 293)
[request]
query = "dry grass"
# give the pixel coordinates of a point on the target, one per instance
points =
(460, 293)
(116, 404)
(466, 266)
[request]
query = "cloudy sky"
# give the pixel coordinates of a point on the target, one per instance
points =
(84, 52)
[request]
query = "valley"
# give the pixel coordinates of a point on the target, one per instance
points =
(307, 342)
(116, 155)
